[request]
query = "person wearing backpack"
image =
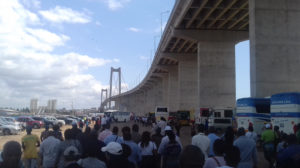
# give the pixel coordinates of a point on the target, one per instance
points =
(165, 140)
(171, 152)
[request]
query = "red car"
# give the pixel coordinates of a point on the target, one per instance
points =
(31, 122)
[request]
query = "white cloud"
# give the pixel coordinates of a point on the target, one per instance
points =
(133, 29)
(28, 67)
(61, 14)
(144, 58)
(32, 3)
(115, 4)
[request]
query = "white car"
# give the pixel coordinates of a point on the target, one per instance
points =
(9, 129)
(56, 121)
(12, 121)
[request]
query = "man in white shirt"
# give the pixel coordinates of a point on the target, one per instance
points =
(103, 121)
(161, 124)
(251, 134)
(201, 140)
(49, 150)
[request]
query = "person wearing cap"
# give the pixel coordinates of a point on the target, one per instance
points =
(117, 155)
(49, 150)
(71, 156)
(201, 140)
(30, 143)
(165, 140)
(247, 147)
(268, 137)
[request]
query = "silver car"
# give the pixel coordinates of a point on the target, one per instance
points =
(9, 129)
(12, 121)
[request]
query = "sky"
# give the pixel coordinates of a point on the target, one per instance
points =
(63, 49)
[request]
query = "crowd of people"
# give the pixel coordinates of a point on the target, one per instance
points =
(101, 147)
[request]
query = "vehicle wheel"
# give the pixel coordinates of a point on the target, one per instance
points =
(6, 132)
(50, 125)
(60, 124)
(35, 126)
(125, 120)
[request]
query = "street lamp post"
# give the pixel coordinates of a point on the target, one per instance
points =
(161, 26)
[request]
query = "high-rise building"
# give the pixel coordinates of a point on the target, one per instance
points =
(33, 105)
(51, 106)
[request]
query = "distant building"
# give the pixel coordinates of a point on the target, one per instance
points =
(51, 106)
(34, 106)
(42, 109)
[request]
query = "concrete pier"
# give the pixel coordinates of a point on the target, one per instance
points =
(274, 46)
(216, 74)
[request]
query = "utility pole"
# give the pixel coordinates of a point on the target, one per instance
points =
(161, 18)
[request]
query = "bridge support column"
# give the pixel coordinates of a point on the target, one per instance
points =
(274, 46)
(216, 74)
(158, 94)
(187, 82)
(165, 90)
(150, 100)
(173, 89)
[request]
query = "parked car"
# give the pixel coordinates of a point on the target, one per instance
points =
(31, 122)
(9, 129)
(13, 121)
(45, 121)
(67, 120)
(55, 120)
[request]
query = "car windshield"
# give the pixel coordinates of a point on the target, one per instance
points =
(30, 119)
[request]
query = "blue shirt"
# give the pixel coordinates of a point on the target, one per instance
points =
(247, 149)
(289, 156)
(135, 155)
(212, 137)
(113, 138)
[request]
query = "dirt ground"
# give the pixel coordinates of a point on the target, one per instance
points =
(6, 138)
(185, 138)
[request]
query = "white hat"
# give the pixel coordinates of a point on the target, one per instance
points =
(268, 126)
(113, 148)
(71, 151)
(168, 128)
(74, 122)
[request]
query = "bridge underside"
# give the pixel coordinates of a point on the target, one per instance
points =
(194, 65)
